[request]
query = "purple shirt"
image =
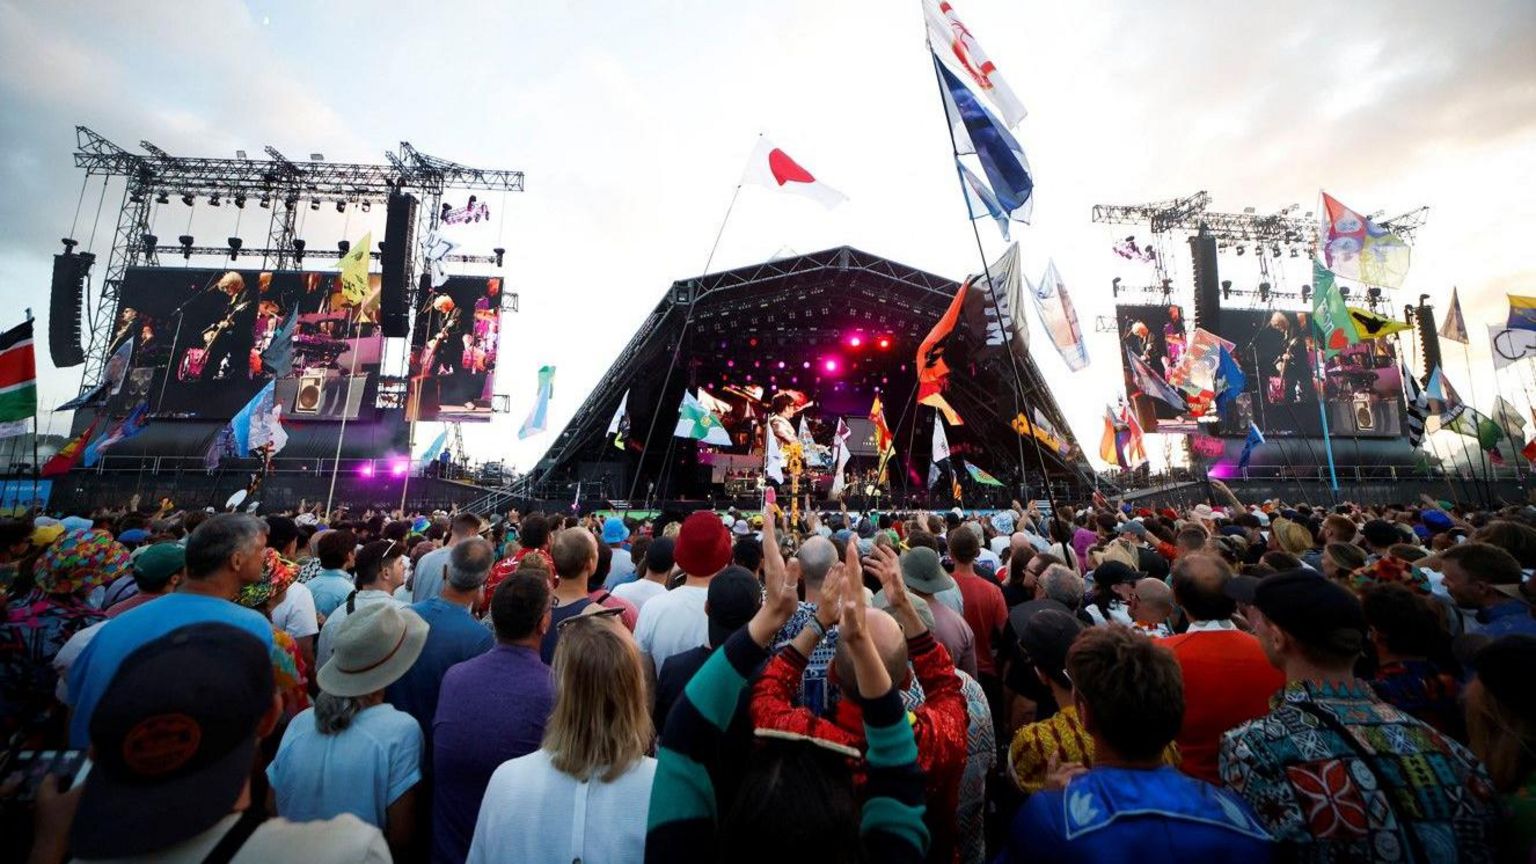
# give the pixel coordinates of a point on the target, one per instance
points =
(1082, 539)
(491, 709)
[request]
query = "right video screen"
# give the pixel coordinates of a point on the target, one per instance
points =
(1361, 390)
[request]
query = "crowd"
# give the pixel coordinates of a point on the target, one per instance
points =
(1113, 682)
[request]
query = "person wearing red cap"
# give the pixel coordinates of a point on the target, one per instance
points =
(675, 622)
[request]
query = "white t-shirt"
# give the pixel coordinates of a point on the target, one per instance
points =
(673, 622)
(296, 614)
(533, 812)
(68, 653)
(343, 840)
(360, 770)
(327, 642)
(639, 591)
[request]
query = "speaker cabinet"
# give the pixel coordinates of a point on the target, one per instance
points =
(311, 392)
(315, 395)
(1365, 414)
(395, 265)
(64, 308)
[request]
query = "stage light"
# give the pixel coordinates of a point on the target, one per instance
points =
(150, 243)
(266, 201)
(1306, 293)
(1373, 295)
(1114, 287)
(366, 469)
(136, 196)
(730, 364)
(500, 254)
(240, 154)
(805, 365)
(1241, 249)
(855, 340)
(186, 198)
(343, 246)
(314, 203)
(1275, 250)
(781, 364)
(317, 157)
(830, 365)
(186, 245)
(1167, 287)
(365, 207)
(298, 251)
(1226, 289)
(162, 198)
(213, 200)
(752, 341)
(884, 343)
(341, 206)
(1264, 292)
(240, 200)
(1344, 291)
(1295, 253)
(234, 247)
(399, 468)
(291, 202)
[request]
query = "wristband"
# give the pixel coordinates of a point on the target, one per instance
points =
(815, 624)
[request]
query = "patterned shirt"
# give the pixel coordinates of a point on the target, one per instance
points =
(35, 627)
(817, 692)
(1424, 690)
(1321, 799)
(1061, 735)
(980, 759)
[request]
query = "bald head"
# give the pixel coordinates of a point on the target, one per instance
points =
(1156, 591)
(1199, 587)
(816, 558)
(889, 641)
(1019, 542)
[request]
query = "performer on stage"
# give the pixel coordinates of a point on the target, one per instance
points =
(781, 417)
(229, 336)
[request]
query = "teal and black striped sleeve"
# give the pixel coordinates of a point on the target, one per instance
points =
(681, 824)
(892, 820)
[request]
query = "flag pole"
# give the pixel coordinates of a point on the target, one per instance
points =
(677, 350)
(1320, 378)
(341, 432)
(1466, 359)
(34, 425)
(986, 269)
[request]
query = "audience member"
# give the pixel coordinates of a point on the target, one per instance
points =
(380, 570)
(674, 622)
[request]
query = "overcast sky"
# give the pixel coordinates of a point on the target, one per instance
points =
(633, 121)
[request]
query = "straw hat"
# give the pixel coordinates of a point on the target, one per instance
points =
(374, 647)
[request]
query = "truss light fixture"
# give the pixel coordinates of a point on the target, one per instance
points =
(136, 196)
(1241, 249)
(1264, 292)
(500, 255)
(240, 154)
(186, 198)
(343, 246)
(365, 206)
(234, 247)
(341, 206)
(314, 203)
(1226, 289)
(1114, 287)
(213, 200)
(298, 251)
(186, 245)
(240, 200)
(1306, 293)
(162, 198)
(317, 157)
(151, 242)
(266, 201)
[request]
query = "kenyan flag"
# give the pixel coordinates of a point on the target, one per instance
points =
(18, 374)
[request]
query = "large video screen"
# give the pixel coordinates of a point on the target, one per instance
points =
(1362, 388)
(1158, 336)
(453, 350)
(198, 338)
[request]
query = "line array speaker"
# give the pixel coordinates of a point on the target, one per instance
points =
(1202, 248)
(64, 307)
(395, 265)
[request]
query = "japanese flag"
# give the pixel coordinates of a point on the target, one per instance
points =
(772, 167)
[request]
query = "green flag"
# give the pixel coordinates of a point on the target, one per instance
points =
(981, 476)
(1330, 316)
(697, 422)
(1475, 424)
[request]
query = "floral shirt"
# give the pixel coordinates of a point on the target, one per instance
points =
(35, 627)
(1317, 794)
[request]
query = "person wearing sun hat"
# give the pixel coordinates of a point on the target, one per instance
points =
(675, 622)
(41, 621)
(287, 662)
(353, 752)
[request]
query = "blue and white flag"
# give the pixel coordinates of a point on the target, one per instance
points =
(1230, 380)
(1255, 438)
(980, 200)
(1152, 385)
(1002, 157)
(259, 423)
(1059, 318)
(435, 447)
(277, 359)
(122, 430)
(538, 418)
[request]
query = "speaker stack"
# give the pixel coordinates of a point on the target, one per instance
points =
(395, 265)
(64, 307)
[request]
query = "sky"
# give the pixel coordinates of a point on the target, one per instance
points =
(634, 120)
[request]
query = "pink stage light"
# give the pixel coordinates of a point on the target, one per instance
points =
(805, 365)
(366, 470)
(855, 340)
(399, 467)
(884, 343)
(830, 365)
(781, 364)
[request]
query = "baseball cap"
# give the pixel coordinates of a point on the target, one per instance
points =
(614, 530)
(658, 557)
(1131, 527)
(1046, 639)
(733, 598)
(1315, 610)
(1113, 573)
(1436, 520)
(921, 571)
(133, 535)
(173, 738)
(159, 562)
(703, 545)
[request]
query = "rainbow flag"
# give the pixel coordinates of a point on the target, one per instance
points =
(1522, 312)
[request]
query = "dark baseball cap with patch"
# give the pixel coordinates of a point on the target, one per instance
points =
(1317, 611)
(173, 738)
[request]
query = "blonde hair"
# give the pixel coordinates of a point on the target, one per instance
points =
(1120, 550)
(601, 721)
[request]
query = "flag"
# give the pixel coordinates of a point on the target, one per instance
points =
(773, 459)
(712, 404)
(618, 427)
(277, 359)
(1109, 445)
(1255, 438)
(1454, 327)
(69, 455)
(978, 132)
(884, 440)
(1417, 404)
(1370, 325)
(435, 448)
(258, 423)
(122, 430)
(1335, 329)
(1041, 429)
(1508, 417)
(1475, 424)
(999, 327)
(932, 355)
(117, 367)
(773, 168)
(538, 418)
(939, 464)
(1509, 344)
(1529, 450)
(354, 270)
(1522, 312)
(1135, 451)
(839, 455)
(1230, 380)
(694, 421)
(1059, 318)
(981, 476)
(980, 200)
(222, 444)
(1441, 399)
(88, 397)
(955, 46)
(1357, 248)
(1150, 384)
(812, 455)
(18, 374)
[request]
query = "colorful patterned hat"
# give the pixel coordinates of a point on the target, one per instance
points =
(80, 561)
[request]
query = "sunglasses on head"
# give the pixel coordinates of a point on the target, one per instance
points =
(605, 612)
